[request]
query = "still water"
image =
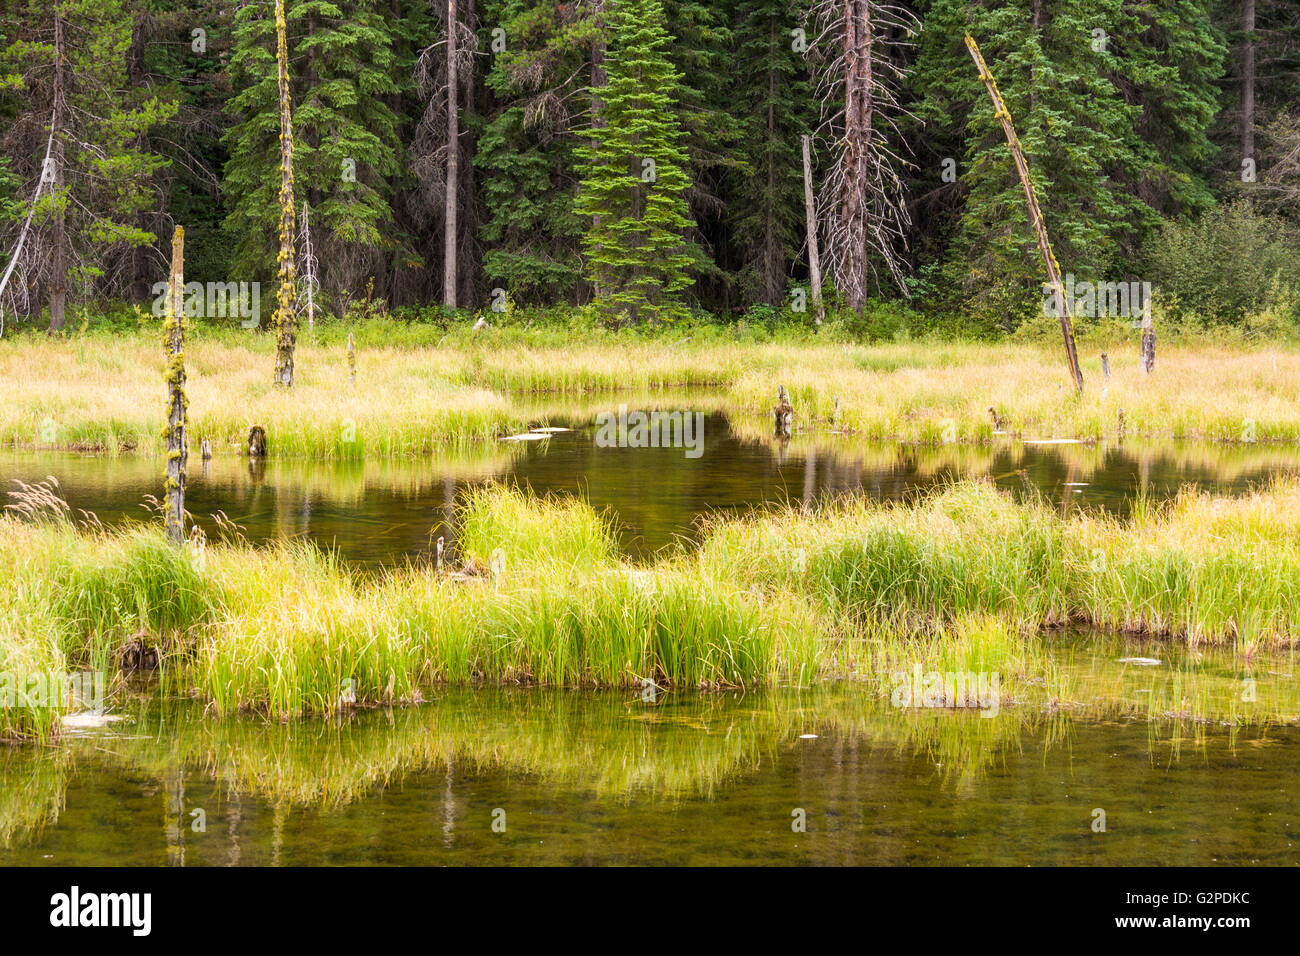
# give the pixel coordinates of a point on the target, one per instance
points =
(386, 512)
(1183, 771)
(587, 778)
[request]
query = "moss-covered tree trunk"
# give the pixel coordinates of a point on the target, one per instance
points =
(286, 321)
(174, 342)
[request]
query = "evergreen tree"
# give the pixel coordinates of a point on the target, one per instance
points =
(1170, 58)
(345, 138)
(702, 52)
(634, 180)
(66, 63)
(772, 98)
(1055, 75)
(528, 150)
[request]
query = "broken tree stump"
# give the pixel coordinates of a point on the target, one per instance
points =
(257, 442)
(782, 412)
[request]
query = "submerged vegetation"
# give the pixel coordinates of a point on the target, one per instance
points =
(965, 578)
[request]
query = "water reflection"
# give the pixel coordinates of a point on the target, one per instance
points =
(385, 512)
(683, 778)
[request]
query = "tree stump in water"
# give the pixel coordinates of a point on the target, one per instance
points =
(205, 449)
(257, 442)
(782, 412)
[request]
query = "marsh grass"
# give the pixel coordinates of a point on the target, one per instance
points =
(415, 395)
(1197, 569)
(965, 578)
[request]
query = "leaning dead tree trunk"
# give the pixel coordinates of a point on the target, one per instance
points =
(27, 223)
(286, 322)
(1035, 213)
(810, 214)
(174, 341)
(453, 167)
(868, 221)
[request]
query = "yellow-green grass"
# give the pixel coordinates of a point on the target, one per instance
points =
(911, 394)
(104, 393)
(1197, 569)
(965, 579)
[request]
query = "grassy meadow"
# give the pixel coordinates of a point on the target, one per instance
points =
(417, 390)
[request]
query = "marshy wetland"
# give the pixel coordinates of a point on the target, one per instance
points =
(640, 655)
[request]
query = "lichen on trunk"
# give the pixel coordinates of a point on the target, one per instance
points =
(177, 403)
(286, 322)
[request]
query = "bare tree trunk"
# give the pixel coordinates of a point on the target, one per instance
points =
(1035, 213)
(857, 143)
(453, 167)
(866, 210)
(177, 452)
(1148, 344)
(599, 80)
(1248, 82)
(810, 213)
(308, 268)
(286, 321)
(27, 223)
(58, 233)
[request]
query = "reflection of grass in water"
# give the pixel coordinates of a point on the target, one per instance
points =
(1191, 687)
(613, 745)
(679, 746)
(32, 786)
(350, 481)
(1003, 457)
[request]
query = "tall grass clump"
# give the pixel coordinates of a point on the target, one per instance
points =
(965, 577)
(417, 392)
(1199, 568)
(556, 532)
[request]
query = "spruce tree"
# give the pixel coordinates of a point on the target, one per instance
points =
(1055, 75)
(528, 150)
(66, 62)
(772, 98)
(345, 138)
(634, 178)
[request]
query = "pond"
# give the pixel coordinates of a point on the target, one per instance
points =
(386, 512)
(1165, 755)
(684, 778)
